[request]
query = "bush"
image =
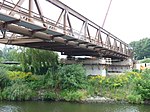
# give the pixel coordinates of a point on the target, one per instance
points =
(19, 75)
(1, 95)
(11, 67)
(50, 79)
(17, 92)
(134, 98)
(72, 77)
(136, 70)
(50, 95)
(143, 89)
(37, 82)
(143, 85)
(4, 80)
(73, 95)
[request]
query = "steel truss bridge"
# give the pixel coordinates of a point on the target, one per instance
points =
(30, 27)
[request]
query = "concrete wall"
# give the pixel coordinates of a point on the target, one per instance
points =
(101, 69)
(93, 69)
(100, 66)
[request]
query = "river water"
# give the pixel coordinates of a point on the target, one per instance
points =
(40, 106)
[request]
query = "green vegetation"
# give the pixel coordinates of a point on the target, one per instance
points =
(67, 83)
(132, 86)
(41, 77)
(146, 60)
(37, 61)
(141, 48)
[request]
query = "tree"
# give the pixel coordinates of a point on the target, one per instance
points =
(141, 48)
(38, 61)
(10, 53)
(1, 55)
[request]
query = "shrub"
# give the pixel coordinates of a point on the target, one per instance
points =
(17, 92)
(19, 75)
(136, 70)
(133, 75)
(70, 77)
(1, 95)
(50, 79)
(73, 95)
(143, 85)
(4, 80)
(37, 82)
(135, 98)
(50, 95)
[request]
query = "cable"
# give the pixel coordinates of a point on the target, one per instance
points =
(106, 14)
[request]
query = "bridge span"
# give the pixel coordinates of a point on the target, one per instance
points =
(30, 27)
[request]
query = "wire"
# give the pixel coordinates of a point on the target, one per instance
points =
(106, 14)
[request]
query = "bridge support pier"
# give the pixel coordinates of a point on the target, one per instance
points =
(104, 66)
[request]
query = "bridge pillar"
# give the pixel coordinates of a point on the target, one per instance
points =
(120, 66)
(104, 71)
(92, 66)
(104, 66)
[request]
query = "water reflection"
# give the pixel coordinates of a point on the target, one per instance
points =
(127, 109)
(69, 107)
(9, 108)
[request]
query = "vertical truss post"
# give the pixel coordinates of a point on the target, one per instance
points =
(88, 32)
(85, 29)
(30, 10)
(70, 26)
(125, 49)
(115, 47)
(98, 37)
(65, 22)
(108, 43)
(120, 48)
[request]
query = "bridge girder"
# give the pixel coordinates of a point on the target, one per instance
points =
(57, 35)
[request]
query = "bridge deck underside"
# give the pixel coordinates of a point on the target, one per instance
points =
(60, 47)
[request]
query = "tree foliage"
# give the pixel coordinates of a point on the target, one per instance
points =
(141, 48)
(70, 77)
(10, 53)
(37, 61)
(146, 60)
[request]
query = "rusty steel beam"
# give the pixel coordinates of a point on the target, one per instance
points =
(82, 18)
(40, 35)
(85, 44)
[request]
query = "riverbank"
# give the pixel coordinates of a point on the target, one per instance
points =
(98, 99)
(69, 83)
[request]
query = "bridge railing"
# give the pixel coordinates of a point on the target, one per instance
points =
(100, 39)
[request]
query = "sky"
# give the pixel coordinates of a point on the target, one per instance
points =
(129, 20)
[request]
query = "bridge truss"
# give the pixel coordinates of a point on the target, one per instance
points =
(70, 33)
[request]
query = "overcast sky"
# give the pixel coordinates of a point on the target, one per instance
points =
(129, 20)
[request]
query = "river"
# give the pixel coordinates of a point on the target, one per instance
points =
(31, 106)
